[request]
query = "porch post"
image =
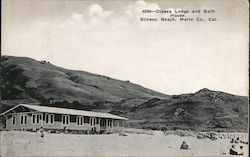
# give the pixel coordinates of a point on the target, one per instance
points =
(41, 119)
(106, 123)
(112, 125)
(123, 125)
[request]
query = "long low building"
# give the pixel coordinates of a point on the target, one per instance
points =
(33, 117)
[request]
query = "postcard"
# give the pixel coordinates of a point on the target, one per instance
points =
(124, 78)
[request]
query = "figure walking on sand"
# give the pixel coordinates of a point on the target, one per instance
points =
(41, 131)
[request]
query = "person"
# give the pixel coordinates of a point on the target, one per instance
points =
(65, 129)
(232, 140)
(237, 140)
(233, 151)
(41, 131)
(241, 151)
(121, 134)
(94, 130)
(184, 145)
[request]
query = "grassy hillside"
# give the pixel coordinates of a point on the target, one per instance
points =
(26, 80)
(37, 81)
(203, 110)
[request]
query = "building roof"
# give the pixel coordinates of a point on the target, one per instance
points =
(58, 110)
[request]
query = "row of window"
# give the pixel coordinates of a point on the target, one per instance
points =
(49, 119)
(36, 118)
(80, 120)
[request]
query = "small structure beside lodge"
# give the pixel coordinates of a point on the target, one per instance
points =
(33, 117)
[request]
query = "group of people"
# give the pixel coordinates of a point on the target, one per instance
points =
(236, 151)
(237, 140)
(233, 140)
(41, 130)
(233, 150)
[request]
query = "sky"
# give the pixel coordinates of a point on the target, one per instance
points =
(107, 37)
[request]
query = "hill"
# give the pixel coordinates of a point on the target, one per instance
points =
(203, 110)
(25, 80)
(28, 80)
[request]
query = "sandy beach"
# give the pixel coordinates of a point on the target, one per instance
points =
(17, 143)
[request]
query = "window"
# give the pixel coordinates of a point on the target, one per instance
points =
(65, 119)
(23, 120)
(121, 123)
(49, 118)
(36, 118)
(86, 119)
(79, 120)
(115, 122)
(92, 121)
(97, 120)
(13, 120)
(109, 122)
